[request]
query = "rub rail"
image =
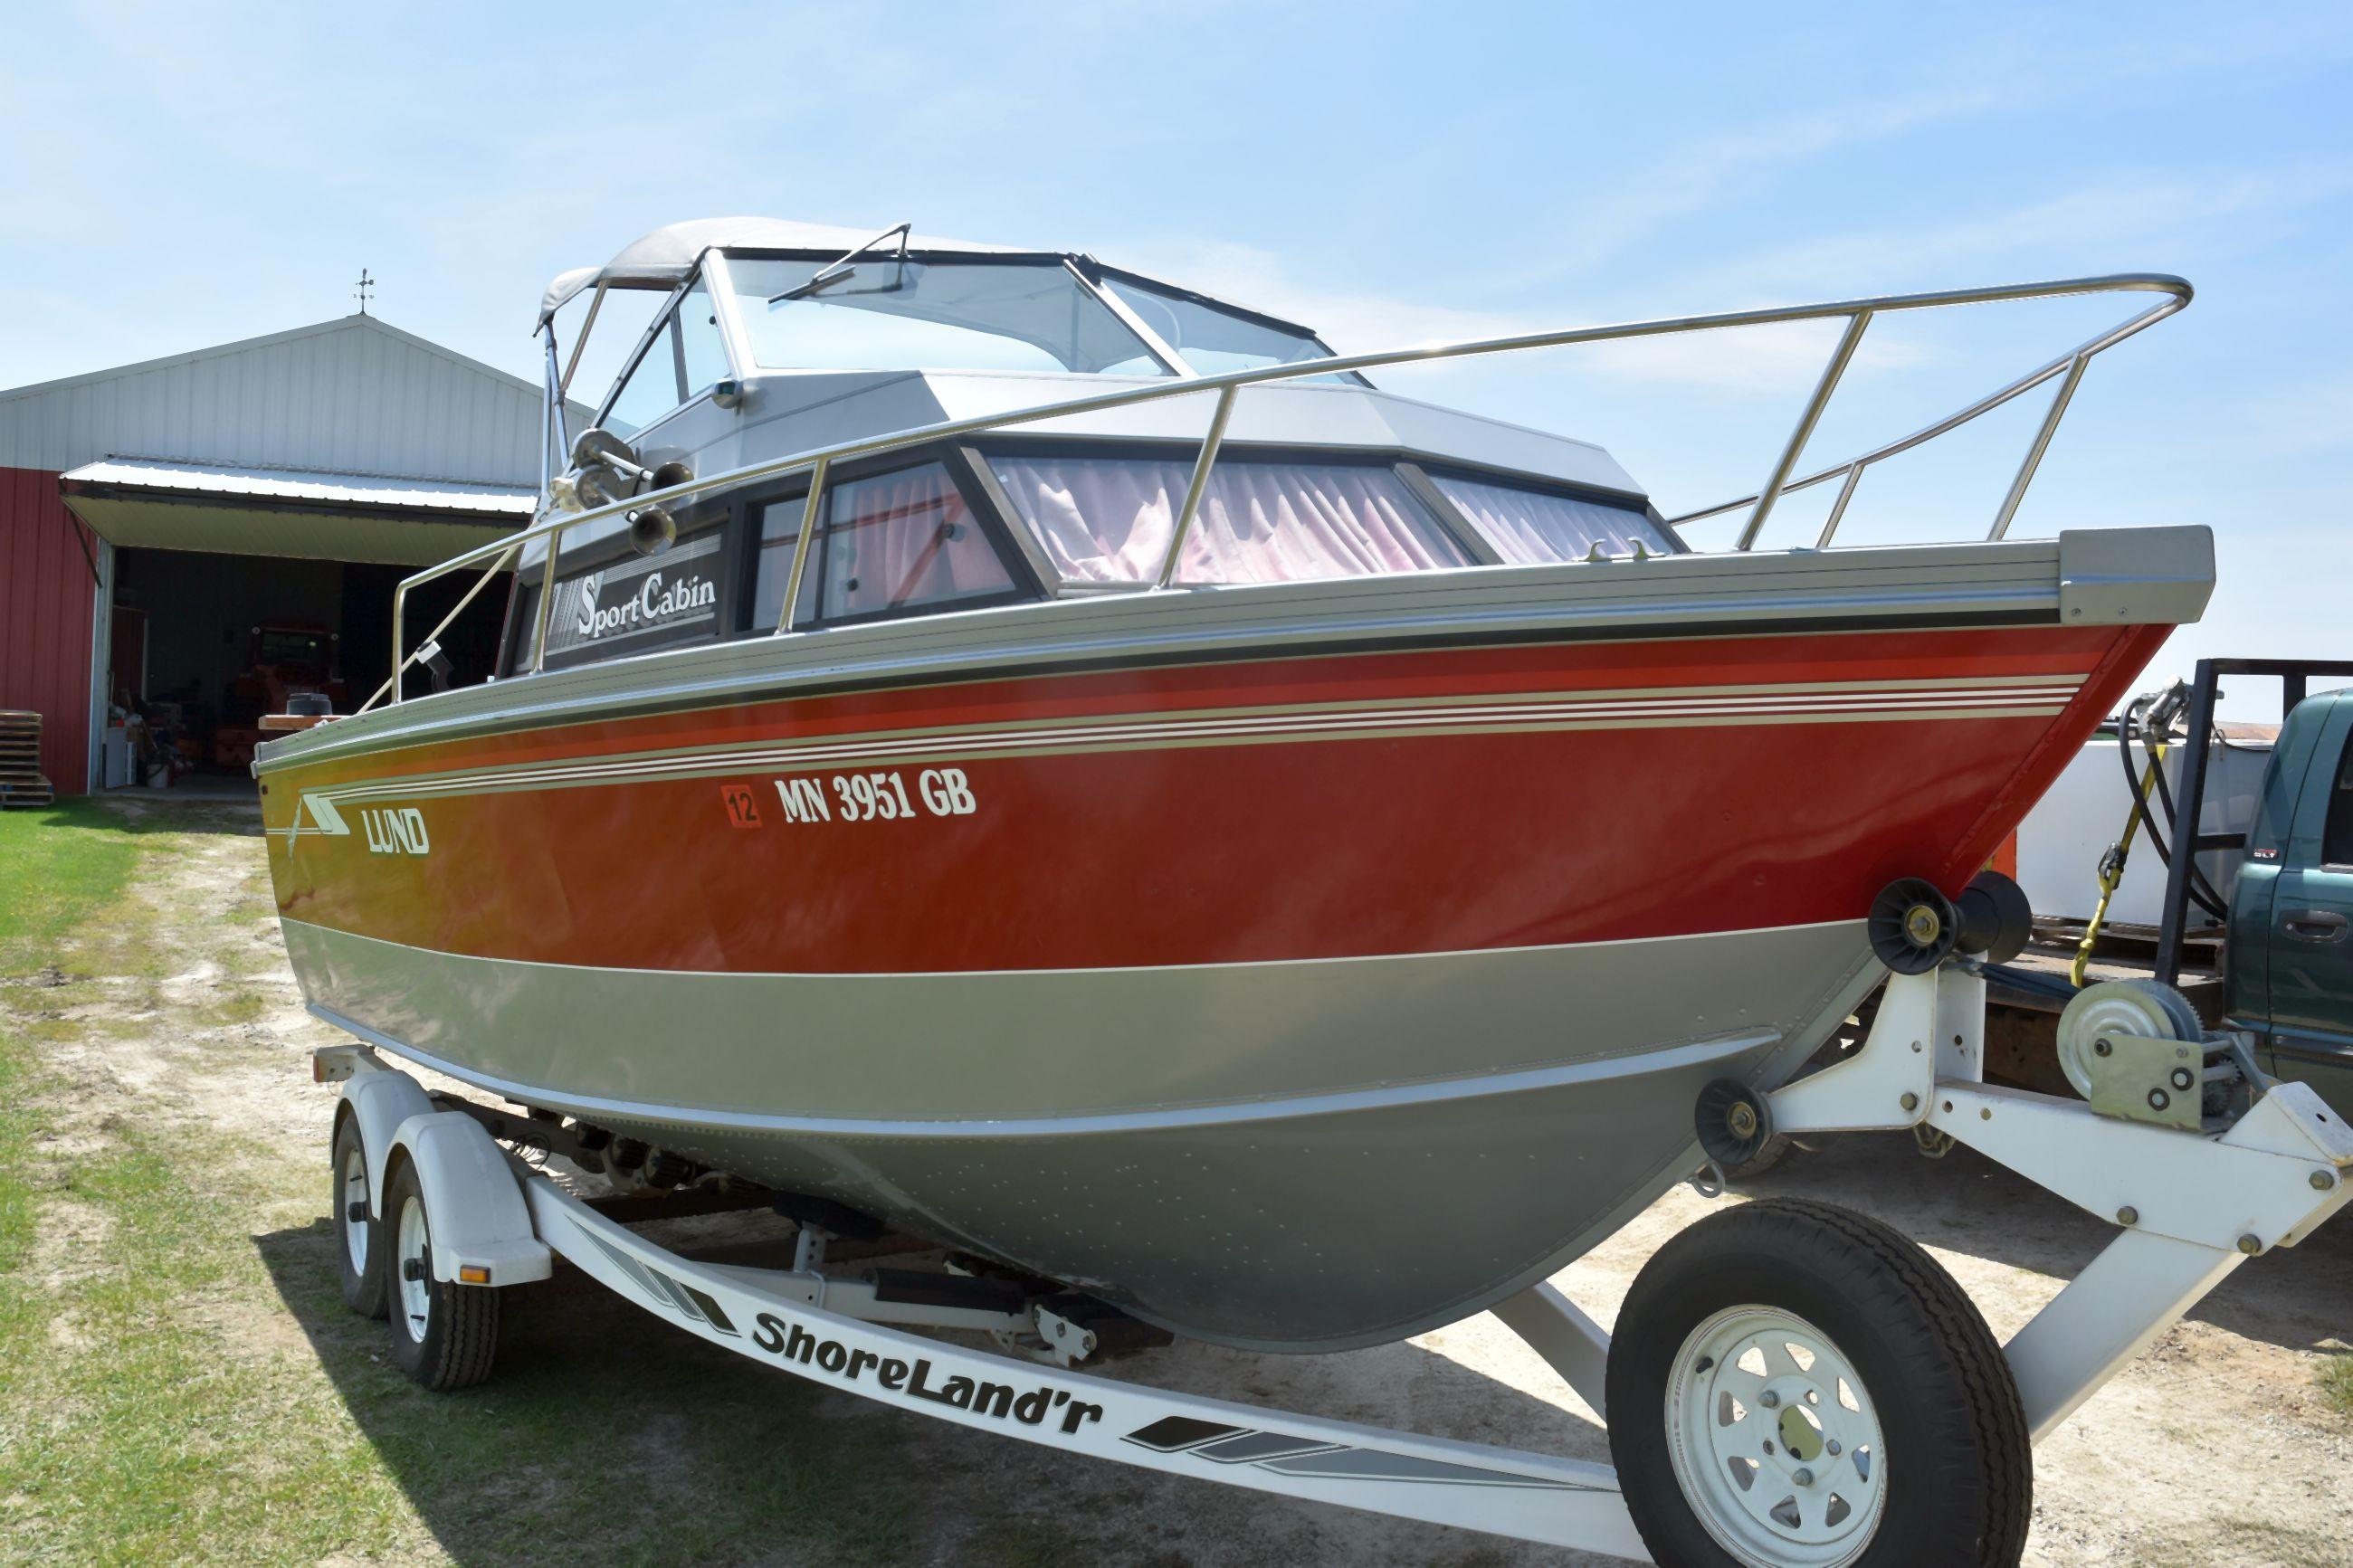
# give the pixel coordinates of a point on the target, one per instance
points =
(2067, 369)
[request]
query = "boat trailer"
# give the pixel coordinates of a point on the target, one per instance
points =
(1754, 1426)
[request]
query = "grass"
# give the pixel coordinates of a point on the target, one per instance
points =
(2335, 1381)
(56, 865)
(179, 1380)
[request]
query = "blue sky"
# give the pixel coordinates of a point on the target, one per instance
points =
(178, 176)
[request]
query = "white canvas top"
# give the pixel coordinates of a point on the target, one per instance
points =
(662, 258)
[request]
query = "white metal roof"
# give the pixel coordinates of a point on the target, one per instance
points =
(659, 259)
(370, 491)
(352, 396)
(320, 515)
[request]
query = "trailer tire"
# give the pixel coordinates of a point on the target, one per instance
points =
(444, 1334)
(359, 1243)
(1921, 1426)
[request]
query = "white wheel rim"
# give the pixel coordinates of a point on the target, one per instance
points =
(416, 1248)
(1775, 1442)
(354, 1191)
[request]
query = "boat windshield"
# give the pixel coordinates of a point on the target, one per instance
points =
(1211, 340)
(886, 313)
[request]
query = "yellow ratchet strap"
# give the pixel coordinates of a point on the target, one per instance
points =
(2112, 866)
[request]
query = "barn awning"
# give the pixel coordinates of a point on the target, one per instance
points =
(159, 504)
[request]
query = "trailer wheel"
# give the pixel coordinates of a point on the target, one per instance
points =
(444, 1334)
(1796, 1384)
(359, 1243)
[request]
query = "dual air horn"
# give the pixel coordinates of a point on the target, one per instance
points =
(607, 471)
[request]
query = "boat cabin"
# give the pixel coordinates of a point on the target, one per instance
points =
(736, 341)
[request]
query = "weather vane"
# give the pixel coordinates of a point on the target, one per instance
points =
(366, 286)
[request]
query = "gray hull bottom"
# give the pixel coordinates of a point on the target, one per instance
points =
(1307, 1156)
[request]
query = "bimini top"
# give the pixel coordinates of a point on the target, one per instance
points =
(662, 258)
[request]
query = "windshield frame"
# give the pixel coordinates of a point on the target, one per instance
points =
(1098, 276)
(1169, 364)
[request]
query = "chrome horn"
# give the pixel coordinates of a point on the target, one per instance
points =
(608, 470)
(652, 529)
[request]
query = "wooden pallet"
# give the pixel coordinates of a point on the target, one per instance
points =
(21, 783)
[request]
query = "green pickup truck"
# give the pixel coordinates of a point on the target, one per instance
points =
(2289, 947)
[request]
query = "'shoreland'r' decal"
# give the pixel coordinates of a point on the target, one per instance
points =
(1039, 1404)
(1042, 1406)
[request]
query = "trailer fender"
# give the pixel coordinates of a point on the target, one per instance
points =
(382, 1100)
(473, 1202)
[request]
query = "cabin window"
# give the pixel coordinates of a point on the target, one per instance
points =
(780, 534)
(1108, 519)
(1531, 527)
(880, 312)
(893, 543)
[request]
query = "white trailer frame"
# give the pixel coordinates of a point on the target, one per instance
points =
(2193, 1206)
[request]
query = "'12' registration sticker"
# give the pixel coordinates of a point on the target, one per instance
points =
(742, 806)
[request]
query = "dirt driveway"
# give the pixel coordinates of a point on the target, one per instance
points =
(198, 1374)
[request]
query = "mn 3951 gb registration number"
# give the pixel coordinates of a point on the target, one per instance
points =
(885, 795)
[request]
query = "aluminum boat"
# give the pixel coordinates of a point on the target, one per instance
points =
(1072, 768)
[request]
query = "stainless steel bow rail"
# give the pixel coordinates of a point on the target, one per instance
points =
(2067, 369)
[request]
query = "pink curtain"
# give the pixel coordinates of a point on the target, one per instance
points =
(904, 539)
(1530, 528)
(1107, 519)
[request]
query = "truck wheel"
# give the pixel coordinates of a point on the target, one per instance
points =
(359, 1244)
(1796, 1384)
(444, 1334)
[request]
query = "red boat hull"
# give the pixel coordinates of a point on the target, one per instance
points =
(1066, 965)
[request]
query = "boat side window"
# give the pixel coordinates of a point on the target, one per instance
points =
(1530, 527)
(686, 357)
(1107, 519)
(897, 542)
(650, 389)
(779, 526)
(2337, 838)
(702, 355)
